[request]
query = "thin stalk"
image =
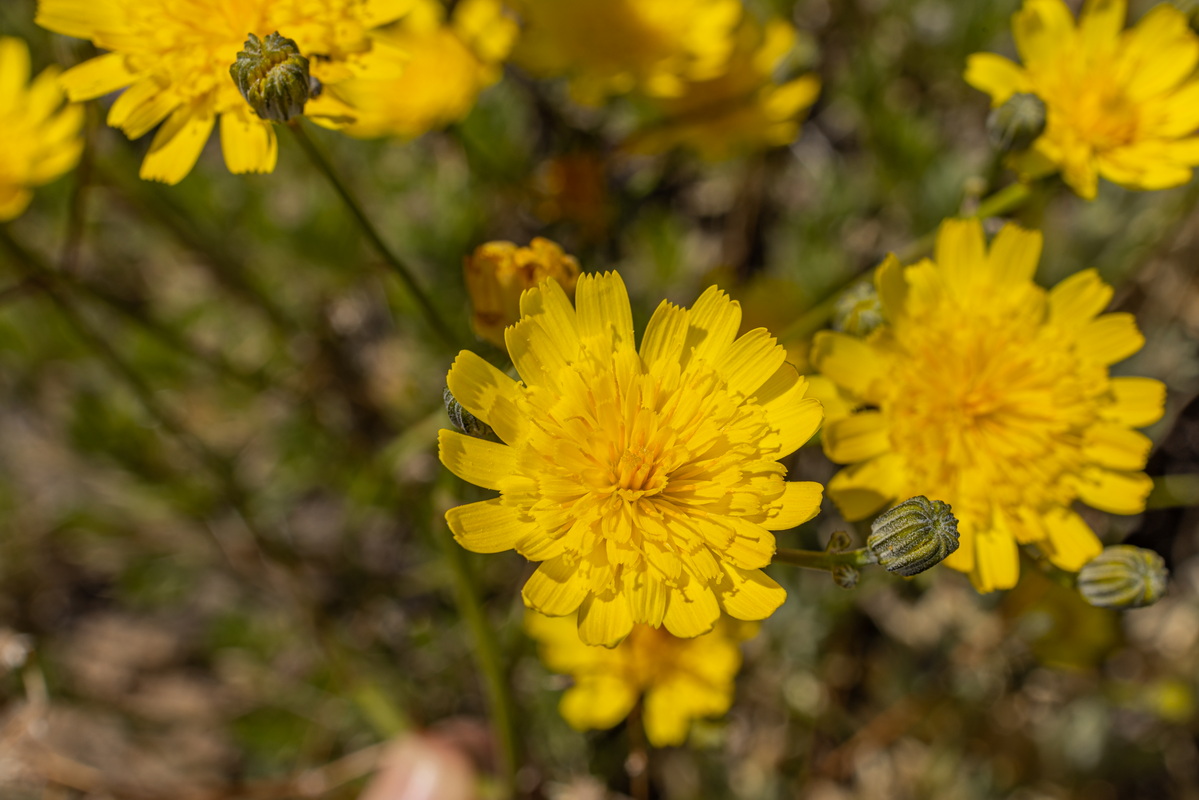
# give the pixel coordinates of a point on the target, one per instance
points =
(822, 560)
(432, 315)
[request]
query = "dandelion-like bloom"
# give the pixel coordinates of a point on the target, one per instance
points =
(1121, 104)
(645, 480)
(611, 47)
(431, 72)
(986, 392)
(679, 679)
(497, 273)
(39, 139)
(174, 57)
(744, 108)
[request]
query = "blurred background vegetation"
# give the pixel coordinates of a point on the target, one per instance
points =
(223, 563)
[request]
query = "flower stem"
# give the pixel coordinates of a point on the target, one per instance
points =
(432, 315)
(822, 560)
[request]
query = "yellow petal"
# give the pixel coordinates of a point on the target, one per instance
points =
(712, 326)
(1181, 113)
(79, 18)
(536, 355)
(1116, 447)
(749, 594)
(1078, 299)
(249, 144)
(667, 720)
(474, 460)
(751, 546)
(961, 251)
(605, 619)
(1110, 338)
(861, 489)
(177, 145)
(691, 609)
(647, 595)
(556, 588)
(857, 437)
(549, 303)
(13, 201)
(1014, 255)
(1160, 51)
(665, 334)
(996, 561)
(488, 526)
(486, 392)
(1041, 28)
(597, 702)
(800, 502)
(603, 305)
(1071, 542)
(1114, 492)
(1137, 402)
(97, 77)
(851, 363)
(14, 70)
(1100, 25)
(892, 288)
(751, 361)
(142, 106)
(795, 419)
(995, 75)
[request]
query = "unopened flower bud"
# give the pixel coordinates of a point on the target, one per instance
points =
(858, 310)
(273, 77)
(846, 576)
(1017, 123)
(498, 272)
(463, 420)
(1123, 576)
(913, 536)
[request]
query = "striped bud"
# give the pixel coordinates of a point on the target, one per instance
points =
(913, 536)
(1123, 576)
(465, 421)
(273, 77)
(1017, 123)
(858, 310)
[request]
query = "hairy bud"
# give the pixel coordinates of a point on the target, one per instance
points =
(1123, 576)
(465, 421)
(1017, 123)
(913, 536)
(273, 77)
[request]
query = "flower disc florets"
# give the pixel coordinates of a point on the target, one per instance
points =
(989, 393)
(646, 480)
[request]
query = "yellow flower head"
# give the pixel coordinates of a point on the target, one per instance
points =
(646, 480)
(679, 679)
(39, 139)
(993, 395)
(431, 72)
(497, 273)
(1121, 104)
(614, 46)
(174, 57)
(742, 109)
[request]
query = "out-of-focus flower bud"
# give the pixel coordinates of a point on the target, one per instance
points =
(1017, 123)
(913, 536)
(498, 272)
(858, 310)
(465, 421)
(1123, 576)
(846, 575)
(273, 77)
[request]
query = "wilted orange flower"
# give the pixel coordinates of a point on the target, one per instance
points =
(498, 272)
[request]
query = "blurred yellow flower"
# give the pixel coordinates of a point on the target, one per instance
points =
(679, 679)
(39, 138)
(1120, 104)
(742, 109)
(498, 272)
(174, 57)
(611, 47)
(987, 392)
(436, 69)
(646, 481)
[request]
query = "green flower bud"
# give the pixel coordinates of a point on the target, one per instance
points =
(1123, 576)
(1017, 123)
(465, 421)
(913, 536)
(858, 310)
(273, 77)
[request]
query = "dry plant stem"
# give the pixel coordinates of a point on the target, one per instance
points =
(432, 315)
(638, 763)
(823, 561)
(487, 654)
(1003, 201)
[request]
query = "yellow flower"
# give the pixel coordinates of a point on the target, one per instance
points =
(1123, 105)
(38, 140)
(993, 395)
(437, 70)
(614, 46)
(645, 480)
(497, 273)
(174, 57)
(744, 108)
(679, 679)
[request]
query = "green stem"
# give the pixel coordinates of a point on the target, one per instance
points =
(822, 560)
(1174, 491)
(397, 265)
(1004, 201)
